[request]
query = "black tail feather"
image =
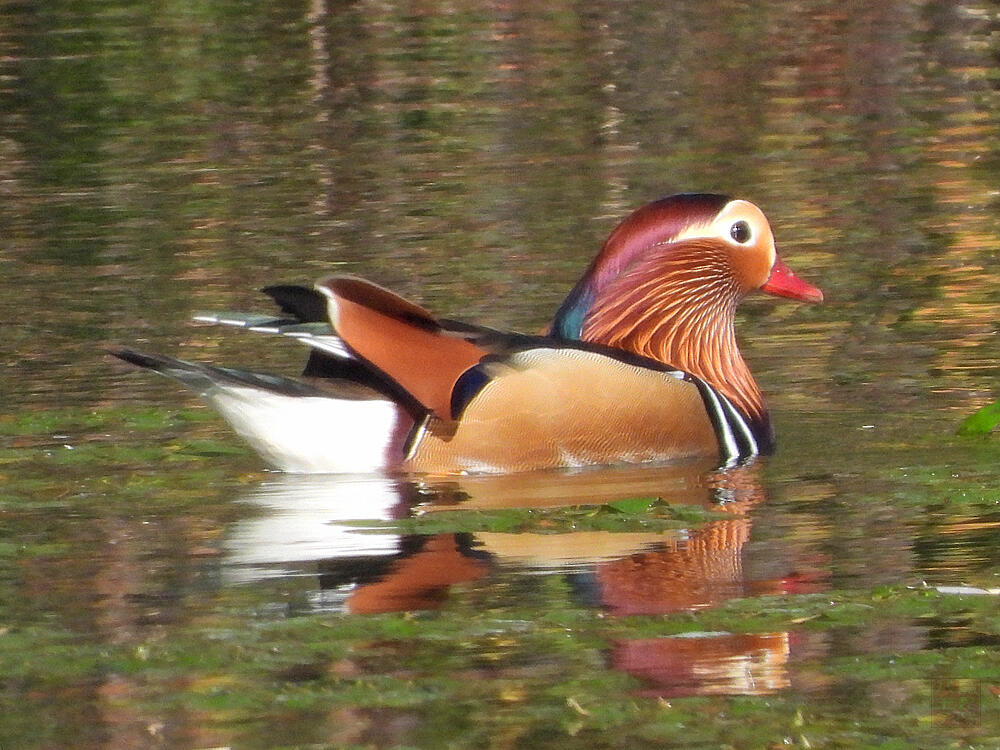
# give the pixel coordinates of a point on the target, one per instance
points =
(307, 305)
(202, 377)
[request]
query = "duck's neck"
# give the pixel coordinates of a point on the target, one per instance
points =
(679, 310)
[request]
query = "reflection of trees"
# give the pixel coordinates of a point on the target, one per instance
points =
(197, 154)
(882, 103)
(125, 588)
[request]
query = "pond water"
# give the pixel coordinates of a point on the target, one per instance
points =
(158, 588)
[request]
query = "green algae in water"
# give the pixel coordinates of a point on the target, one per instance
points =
(629, 515)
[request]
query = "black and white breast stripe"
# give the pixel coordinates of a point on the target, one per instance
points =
(737, 441)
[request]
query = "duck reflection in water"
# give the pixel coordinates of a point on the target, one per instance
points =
(315, 526)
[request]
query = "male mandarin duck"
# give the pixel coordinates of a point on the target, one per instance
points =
(640, 363)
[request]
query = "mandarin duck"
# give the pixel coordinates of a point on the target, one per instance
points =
(640, 363)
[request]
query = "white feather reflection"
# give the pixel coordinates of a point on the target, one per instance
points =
(308, 518)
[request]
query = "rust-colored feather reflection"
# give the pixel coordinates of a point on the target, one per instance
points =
(420, 581)
(704, 569)
(701, 571)
(714, 664)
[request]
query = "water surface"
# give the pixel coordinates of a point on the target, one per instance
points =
(158, 587)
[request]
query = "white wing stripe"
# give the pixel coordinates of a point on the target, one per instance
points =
(736, 439)
(717, 412)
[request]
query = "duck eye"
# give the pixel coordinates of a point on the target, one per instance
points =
(740, 231)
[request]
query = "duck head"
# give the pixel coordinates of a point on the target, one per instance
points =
(668, 280)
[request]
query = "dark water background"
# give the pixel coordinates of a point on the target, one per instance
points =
(158, 589)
